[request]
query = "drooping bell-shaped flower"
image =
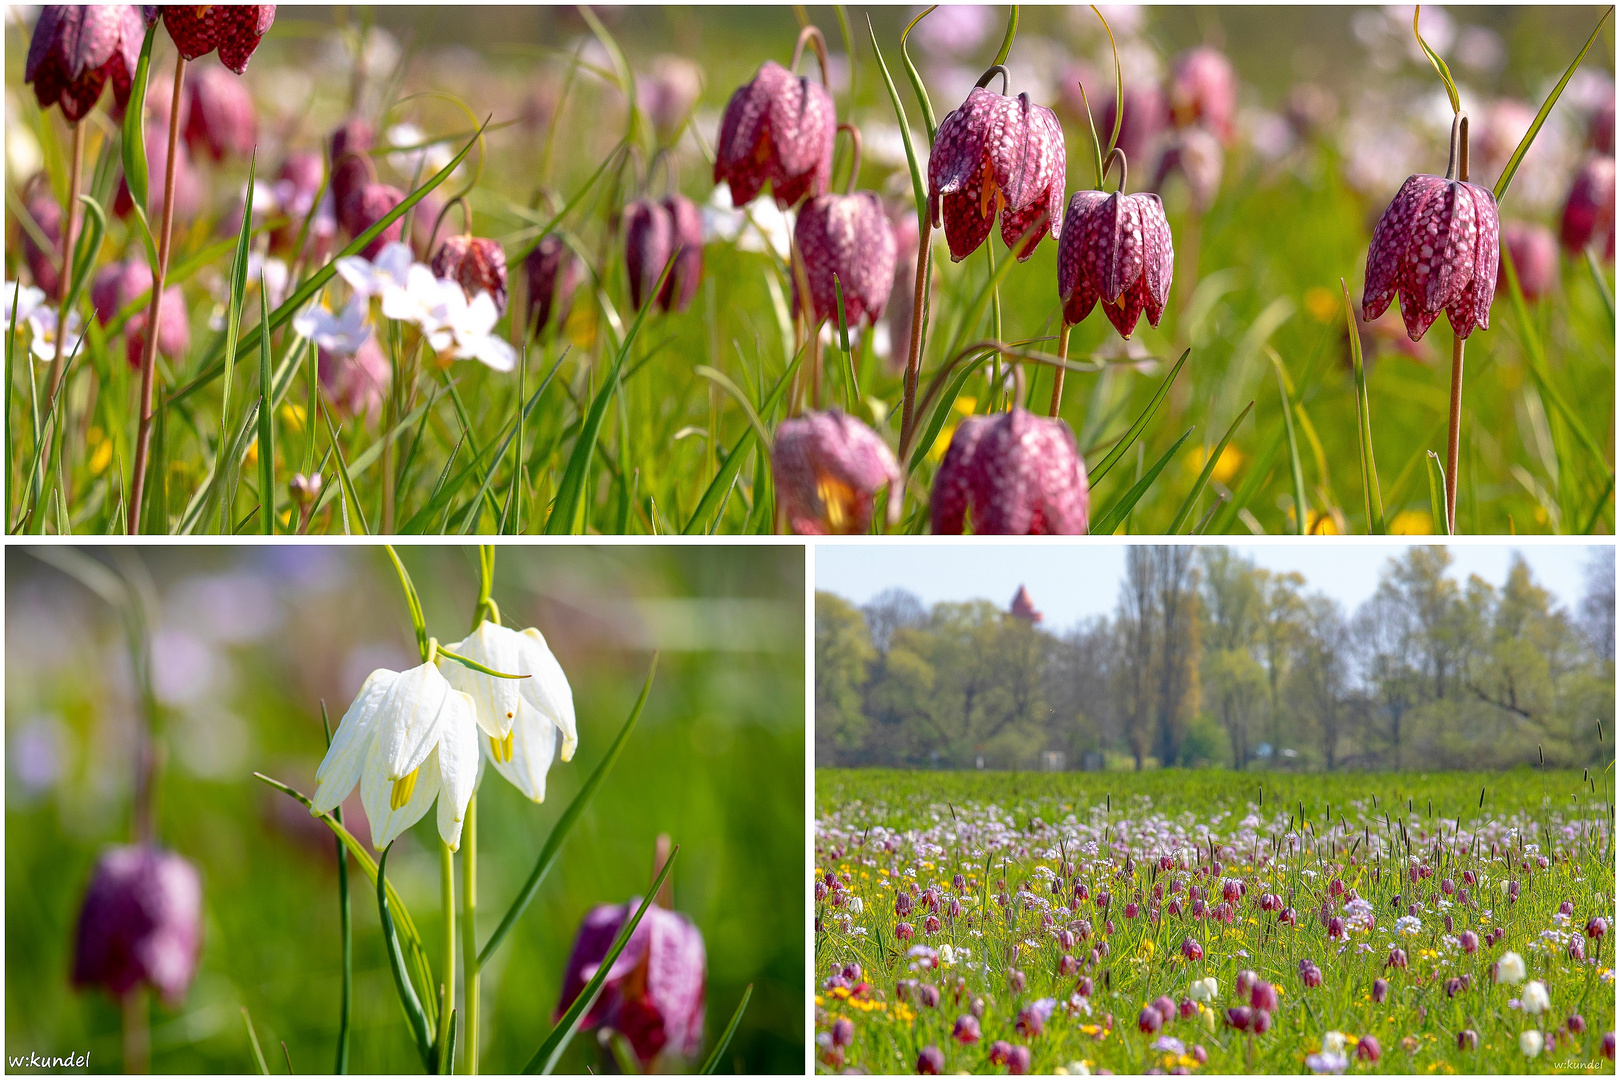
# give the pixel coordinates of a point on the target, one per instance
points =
(848, 236)
(778, 128)
(356, 383)
(655, 232)
(1535, 259)
(654, 991)
(409, 738)
(1017, 473)
(997, 154)
(77, 48)
(1436, 248)
(219, 117)
(828, 466)
(233, 29)
(1117, 249)
(476, 263)
(520, 718)
(47, 214)
(667, 92)
(1203, 90)
(141, 922)
(174, 328)
(1195, 154)
(118, 285)
(348, 144)
(553, 273)
(1589, 210)
(367, 205)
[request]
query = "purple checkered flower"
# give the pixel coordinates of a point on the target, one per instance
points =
(828, 467)
(76, 48)
(1435, 247)
(778, 128)
(1017, 473)
(141, 923)
(1117, 249)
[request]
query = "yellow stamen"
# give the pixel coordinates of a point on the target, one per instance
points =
(840, 504)
(501, 749)
(403, 788)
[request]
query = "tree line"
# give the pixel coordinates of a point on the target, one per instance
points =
(1209, 659)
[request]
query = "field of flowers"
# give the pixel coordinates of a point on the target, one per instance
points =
(480, 272)
(1214, 922)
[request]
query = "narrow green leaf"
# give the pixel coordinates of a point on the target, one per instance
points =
(345, 930)
(86, 249)
(414, 1015)
(723, 480)
(1116, 513)
(565, 824)
(1203, 477)
(134, 133)
(919, 190)
(942, 409)
(1302, 526)
(267, 427)
(712, 1065)
(911, 72)
(1007, 39)
(253, 1037)
(412, 601)
(1136, 428)
(343, 471)
(1523, 148)
(1437, 494)
(724, 382)
(1372, 499)
(1439, 64)
(545, 1058)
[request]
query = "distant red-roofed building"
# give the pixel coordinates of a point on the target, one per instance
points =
(1024, 608)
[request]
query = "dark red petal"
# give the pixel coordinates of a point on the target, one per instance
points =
(649, 240)
(1158, 254)
(966, 225)
(956, 161)
(1384, 256)
(953, 484)
(686, 226)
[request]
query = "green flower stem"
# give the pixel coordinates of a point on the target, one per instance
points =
(1057, 374)
(469, 934)
(447, 897)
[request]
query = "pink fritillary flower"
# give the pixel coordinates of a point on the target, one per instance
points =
(1018, 474)
(655, 232)
(930, 1062)
(848, 236)
(778, 128)
(76, 48)
(1589, 210)
(1203, 91)
(219, 115)
(1435, 247)
(1116, 249)
(828, 466)
(233, 29)
(476, 263)
(997, 154)
(553, 274)
(141, 922)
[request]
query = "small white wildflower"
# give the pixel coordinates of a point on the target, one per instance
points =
(1531, 1042)
(1536, 1000)
(1510, 969)
(1333, 1042)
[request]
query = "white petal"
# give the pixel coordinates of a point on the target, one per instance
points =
(547, 689)
(491, 351)
(340, 768)
(534, 741)
(395, 260)
(358, 273)
(411, 715)
(496, 700)
(376, 790)
(458, 765)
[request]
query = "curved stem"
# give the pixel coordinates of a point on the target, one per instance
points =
(143, 440)
(1116, 154)
(1457, 162)
(1057, 377)
(855, 150)
(469, 933)
(1119, 81)
(991, 72)
(913, 356)
(818, 43)
(995, 325)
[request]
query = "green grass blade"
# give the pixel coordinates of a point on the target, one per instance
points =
(86, 249)
(1372, 500)
(514, 431)
(233, 324)
(565, 824)
(942, 410)
(317, 281)
(1007, 39)
(724, 382)
(919, 190)
(1116, 513)
(1137, 427)
(1302, 525)
(267, 427)
(343, 473)
(545, 1058)
(134, 133)
(1437, 494)
(414, 1014)
(253, 1038)
(345, 929)
(571, 492)
(715, 494)
(1203, 477)
(1602, 283)
(911, 73)
(1523, 148)
(712, 1064)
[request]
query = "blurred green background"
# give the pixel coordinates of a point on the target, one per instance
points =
(252, 640)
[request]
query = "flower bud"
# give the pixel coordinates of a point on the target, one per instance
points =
(219, 112)
(1017, 474)
(778, 128)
